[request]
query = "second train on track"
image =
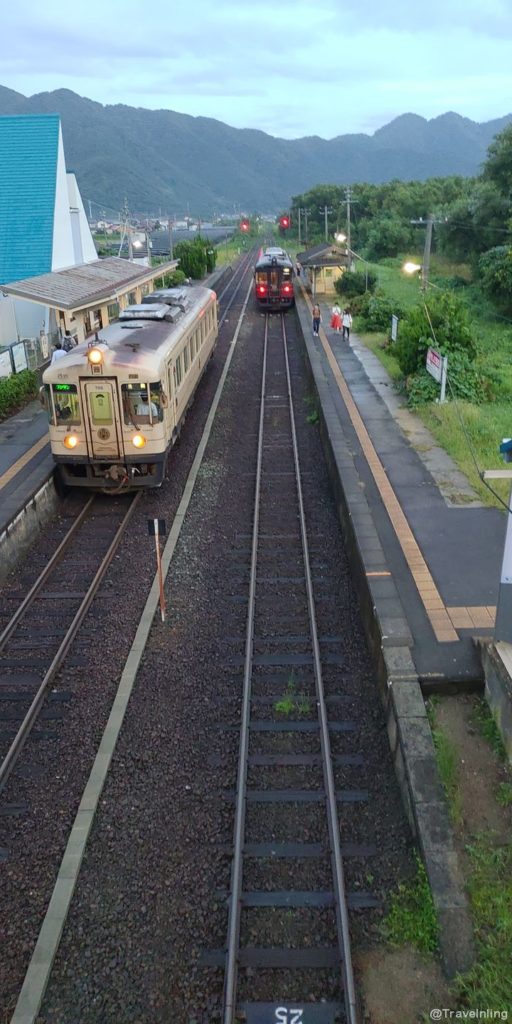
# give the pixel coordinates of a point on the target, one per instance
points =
(273, 280)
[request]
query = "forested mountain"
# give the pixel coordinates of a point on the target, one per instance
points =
(165, 162)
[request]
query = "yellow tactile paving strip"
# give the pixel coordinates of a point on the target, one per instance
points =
(444, 621)
(22, 461)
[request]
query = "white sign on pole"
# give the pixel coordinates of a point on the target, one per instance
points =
(19, 356)
(5, 364)
(394, 327)
(434, 364)
(437, 366)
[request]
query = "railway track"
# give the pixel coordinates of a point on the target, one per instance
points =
(39, 634)
(285, 739)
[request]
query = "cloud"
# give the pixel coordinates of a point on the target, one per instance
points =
(292, 69)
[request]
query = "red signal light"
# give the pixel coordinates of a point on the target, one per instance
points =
(284, 221)
(245, 225)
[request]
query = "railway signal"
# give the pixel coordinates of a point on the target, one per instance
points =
(245, 225)
(284, 222)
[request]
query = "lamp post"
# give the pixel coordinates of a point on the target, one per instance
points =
(425, 282)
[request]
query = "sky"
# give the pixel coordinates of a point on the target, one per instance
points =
(290, 68)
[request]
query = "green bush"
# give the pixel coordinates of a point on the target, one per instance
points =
(174, 279)
(442, 322)
(355, 282)
(16, 390)
(375, 312)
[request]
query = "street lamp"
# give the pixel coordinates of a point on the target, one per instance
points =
(340, 237)
(413, 268)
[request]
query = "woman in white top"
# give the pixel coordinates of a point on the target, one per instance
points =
(346, 320)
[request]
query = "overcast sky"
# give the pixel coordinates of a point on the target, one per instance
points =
(291, 68)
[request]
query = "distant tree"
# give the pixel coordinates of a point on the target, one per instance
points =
(498, 166)
(387, 237)
(495, 273)
(475, 222)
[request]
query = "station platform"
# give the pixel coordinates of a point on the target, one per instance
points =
(26, 465)
(429, 550)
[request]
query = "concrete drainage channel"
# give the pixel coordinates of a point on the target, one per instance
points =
(22, 530)
(408, 728)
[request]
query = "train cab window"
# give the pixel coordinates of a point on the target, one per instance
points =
(142, 403)
(101, 408)
(65, 405)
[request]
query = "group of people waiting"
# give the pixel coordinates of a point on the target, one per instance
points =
(341, 320)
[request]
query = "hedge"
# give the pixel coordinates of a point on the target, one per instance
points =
(15, 391)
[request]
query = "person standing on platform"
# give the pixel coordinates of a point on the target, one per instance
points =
(336, 318)
(346, 320)
(58, 352)
(317, 319)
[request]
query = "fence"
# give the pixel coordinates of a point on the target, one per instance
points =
(26, 354)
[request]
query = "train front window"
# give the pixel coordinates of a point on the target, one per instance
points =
(101, 408)
(142, 403)
(66, 405)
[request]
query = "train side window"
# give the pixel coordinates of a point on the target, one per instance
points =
(185, 358)
(179, 372)
(66, 405)
(193, 347)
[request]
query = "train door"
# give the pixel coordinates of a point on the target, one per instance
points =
(273, 283)
(101, 406)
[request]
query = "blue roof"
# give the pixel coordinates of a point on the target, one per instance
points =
(29, 147)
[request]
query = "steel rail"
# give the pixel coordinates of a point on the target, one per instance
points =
(235, 904)
(332, 813)
(25, 728)
(48, 569)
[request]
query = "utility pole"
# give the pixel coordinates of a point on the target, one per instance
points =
(171, 251)
(326, 226)
(299, 211)
(348, 198)
(425, 268)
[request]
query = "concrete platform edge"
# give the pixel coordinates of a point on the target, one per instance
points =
(409, 733)
(20, 532)
(497, 666)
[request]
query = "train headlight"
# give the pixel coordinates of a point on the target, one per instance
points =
(138, 440)
(70, 441)
(95, 356)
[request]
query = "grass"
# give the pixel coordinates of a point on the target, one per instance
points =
(484, 721)
(469, 433)
(412, 918)
(489, 881)
(488, 983)
(292, 702)
(447, 763)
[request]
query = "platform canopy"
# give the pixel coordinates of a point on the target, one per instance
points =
(81, 286)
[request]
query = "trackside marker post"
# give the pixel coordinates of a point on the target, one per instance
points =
(157, 528)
